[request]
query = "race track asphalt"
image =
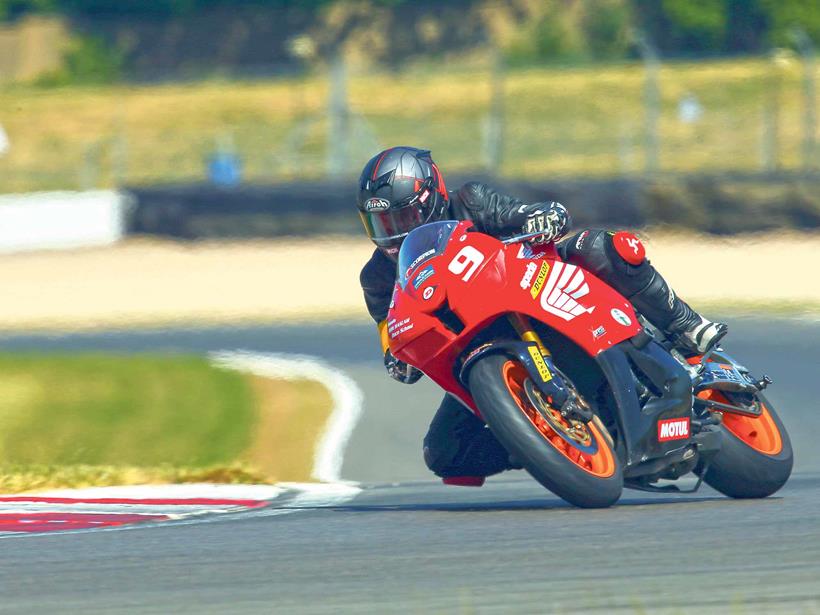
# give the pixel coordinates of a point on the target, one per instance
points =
(409, 544)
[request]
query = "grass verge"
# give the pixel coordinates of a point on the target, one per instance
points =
(583, 120)
(94, 420)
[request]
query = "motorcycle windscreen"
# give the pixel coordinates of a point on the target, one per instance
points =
(421, 245)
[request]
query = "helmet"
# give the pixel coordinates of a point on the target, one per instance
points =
(400, 188)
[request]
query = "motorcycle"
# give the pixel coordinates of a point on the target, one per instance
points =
(579, 388)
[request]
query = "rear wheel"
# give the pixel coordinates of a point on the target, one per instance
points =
(574, 460)
(756, 458)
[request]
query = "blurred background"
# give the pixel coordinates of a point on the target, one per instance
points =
(173, 164)
(676, 104)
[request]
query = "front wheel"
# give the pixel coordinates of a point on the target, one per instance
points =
(756, 458)
(572, 459)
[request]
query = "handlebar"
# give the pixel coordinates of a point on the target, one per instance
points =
(520, 238)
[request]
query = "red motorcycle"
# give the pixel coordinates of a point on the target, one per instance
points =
(578, 387)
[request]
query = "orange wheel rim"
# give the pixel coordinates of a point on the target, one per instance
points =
(600, 463)
(757, 432)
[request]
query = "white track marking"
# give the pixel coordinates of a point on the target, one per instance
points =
(311, 496)
(186, 490)
(308, 496)
(347, 400)
(295, 497)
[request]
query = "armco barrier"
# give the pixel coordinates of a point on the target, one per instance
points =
(53, 220)
(721, 204)
(315, 207)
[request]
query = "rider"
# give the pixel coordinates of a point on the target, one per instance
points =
(401, 188)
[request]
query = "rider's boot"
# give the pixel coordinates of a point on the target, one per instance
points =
(664, 309)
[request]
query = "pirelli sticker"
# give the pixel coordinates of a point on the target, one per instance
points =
(539, 281)
(540, 364)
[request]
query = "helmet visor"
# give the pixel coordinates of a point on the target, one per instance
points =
(388, 228)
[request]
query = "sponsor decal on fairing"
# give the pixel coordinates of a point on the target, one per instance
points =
(673, 429)
(599, 332)
(396, 328)
(418, 260)
(539, 281)
(620, 317)
(540, 364)
(422, 276)
(563, 288)
(428, 292)
(526, 281)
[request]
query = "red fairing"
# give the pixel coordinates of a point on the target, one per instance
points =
(480, 279)
(629, 247)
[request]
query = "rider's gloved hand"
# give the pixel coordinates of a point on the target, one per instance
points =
(401, 371)
(550, 223)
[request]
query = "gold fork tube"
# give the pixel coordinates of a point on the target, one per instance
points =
(522, 326)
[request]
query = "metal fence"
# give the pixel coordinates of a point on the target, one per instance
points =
(638, 118)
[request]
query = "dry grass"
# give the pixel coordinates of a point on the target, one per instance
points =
(289, 420)
(576, 121)
(25, 478)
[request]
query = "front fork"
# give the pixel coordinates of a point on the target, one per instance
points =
(560, 396)
(551, 384)
(524, 329)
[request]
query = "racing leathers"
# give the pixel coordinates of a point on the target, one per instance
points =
(458, 443)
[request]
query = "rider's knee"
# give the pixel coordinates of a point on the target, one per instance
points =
(438, 459)
(617, 258)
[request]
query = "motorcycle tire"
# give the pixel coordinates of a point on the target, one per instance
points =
(755, 459)
(586, 475)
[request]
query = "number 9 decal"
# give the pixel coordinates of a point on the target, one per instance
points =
(467, 260)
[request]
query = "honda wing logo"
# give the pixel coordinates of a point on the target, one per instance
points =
(565, 285)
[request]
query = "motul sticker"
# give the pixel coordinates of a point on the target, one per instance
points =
(673, 429)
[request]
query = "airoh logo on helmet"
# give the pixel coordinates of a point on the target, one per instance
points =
(376, 204)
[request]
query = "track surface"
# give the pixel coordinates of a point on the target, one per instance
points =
(422, 547)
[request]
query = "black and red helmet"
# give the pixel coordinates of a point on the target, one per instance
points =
(400, 188)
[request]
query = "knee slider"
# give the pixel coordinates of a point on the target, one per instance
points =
(629, 247)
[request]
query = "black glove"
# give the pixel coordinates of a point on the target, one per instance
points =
(401, 371)
(551, 223)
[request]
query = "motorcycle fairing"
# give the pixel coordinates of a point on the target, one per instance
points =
(626, 364)
(477, 279)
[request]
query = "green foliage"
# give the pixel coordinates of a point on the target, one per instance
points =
(9, 9)
(714, 26)
(88, 60)
(606, 27)
(580, 30)
(699, 25)
(785, 16)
